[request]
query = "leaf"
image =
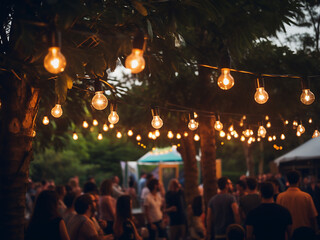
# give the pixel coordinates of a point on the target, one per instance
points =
(140, 8)
(61, 87)
(150, 31)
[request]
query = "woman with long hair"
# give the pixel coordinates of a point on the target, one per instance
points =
(107, 205)
(45, 222)
(124, 228)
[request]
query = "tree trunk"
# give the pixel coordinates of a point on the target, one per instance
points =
(249, 158)
(19, 109)
(208, 157)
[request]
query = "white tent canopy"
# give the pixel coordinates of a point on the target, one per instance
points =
(307, 151)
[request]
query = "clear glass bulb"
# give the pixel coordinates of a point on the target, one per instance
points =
(150, 135)
(85, 124)
(270, 139)
(298, 134)
(307, 97)
(105, 127)
(111, 125)
(274, 137)
(75, 136)
(228, 136)
(242, 139)
(225, 80)
(119, 135)
(218, 126)
(130, 133)
(157, 133)
(235, 135)
(95, 122)
(156, 122)
(178, 136)
(100, 137)
(135, 61)
(262, 132)
(170, 135)
(295, 123)
(222, 134)
(193, 124)
(196, 137)
(99, 101)
(268, 125)
(316, 133)
(261, 96)
(113, 117)
(258, 139)
(301, 128)
(247, 133)
(266, 118)
(54, 62)
(286, 122)
(282, 137)
(310, 120)
(56, 111)
(138, 138)
(154, 137)
(45, 120)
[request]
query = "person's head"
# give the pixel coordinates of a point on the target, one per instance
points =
(46, 206)
(276, 184)
(223, 183)
(115, 180)
(153, 185)
(69, 199)
(123, 212)
(235, 232)
(149, 177)
(106, 187)
(241, 186)
(84, 205)
(95, 201)
(61, 191)
(174, 185)
(143, 175)
(197, 206)
(91, 179)
(266, 190)
(303, 233)
(131, 182)
(73, 183)
(251, 183)
(90, 187)
(293, 177)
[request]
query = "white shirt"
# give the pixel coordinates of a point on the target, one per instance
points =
(144, 193)
(154, 204)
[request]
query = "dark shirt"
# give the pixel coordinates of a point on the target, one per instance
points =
(128, 232)
(249, 202)
(269, 221)
(176, 199)
(40, 230)
(221, 212)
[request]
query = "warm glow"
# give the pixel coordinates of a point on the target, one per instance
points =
(185, 134)
(235, 135)
(105, 127)
(178, 136)
(282, 137)
(100, 137)
(193, 125)
(222, 134)
(258, 139)
(295, 123)
(268, 125)
(156, 122)
(195, 115)
(99, 101)
(242, 139)
(138, 138)
(130, 133)
(301, 128)
(261, 96)
(170, 135)
(270, 139)
(262, 132)
(298, 134)
(54, 62)
(95, 122)
(150, 135)
(119, 135)
(307, 97)
(56, 111)
(113, 117)
(75, 136)
(225, 80)
(157, 133)
(286, 122)
(316, 133)
(231, 128)
(135, 61)
(196, 137)
(241, 123)
(274, 137)
(85, 124)
(228, 136)
(45, 120)
(111, 125)
(218, 126)
(266, 118)
(247, 132)
(310, 120)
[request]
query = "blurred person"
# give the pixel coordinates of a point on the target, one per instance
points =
(90, 187)
(276, 187)
(241, 188)
(107, 205)
(152, 205)
(141, 183)
(235, 232)
(68, 201)
(45, 222)
(44, 184)
(124, 227)
(269, 220)
(314, 191)
(197, 229)
(251, 200)
(299, 204)
(101, 224)
(116, 188)
(305, 184)
(91, 179)
(222, 211)
(131, 191)
(303, 233)
(61, 191)
(145, 191)
(175, 208)
(74, 184)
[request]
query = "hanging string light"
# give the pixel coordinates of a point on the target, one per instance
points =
(316, 134)
(119, 135)
(105, 127)
(99, 100)
(170, 135)
(274, 137)
(242, 139)
(222, 134)
(270, 139)
(286, 122)
(75, 136)
(178, 136)
(56, 111)
(268, 125)
(100, 137)
(156, 122)
(225, 80)
(310, 120)
(282, 137)
(85, 124)
(45, 120)
(111, 126)
(261, 96)
(193, 124)
(95, 122)
(266, 118)
(295, 123)
(218, 126)
(196, 137)
(298, 134)
(185, 134)
(307, 97)
(135, 61)
(157, 133)
(262, 132)
(113, 117)
(138, 138)
(301, 128)
(231, 128)
(130, 133)
(247, 132)
(228, 136)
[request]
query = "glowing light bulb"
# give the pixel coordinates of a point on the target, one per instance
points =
(154, 137)
(274, 137)
(268, 125)
(85, 124)
(56, 111)
(301, 128)
(298, 134)
(310, 120)
(307, 97)
(262, 132)
(228, 136)
(156, 122)
(270, 139)
(218, 126)
(157, 133)
(135, 61)
(231, 128)
(99, 101)
(100, 137)
(247, 133)
(105, 127)
(244, 117)
(286, 122)
(185, 134)
(119, 135)
(95, 122)
(315, 134)
(235, 135)
(261, 96)
(282, 137)
(193, 124)
(178, 136)
(258, 139)
(113, 117)
(150, 135)
(138, 138)
(45, 120)
(130, 133)
(54, 62)
(196, 137)
(111, 126)
(241, 123)
(266, 118)
(242, 139)
(170, 135)
(34, 133)
(222, 134)
(295, 123)
(225, 80)
(195, 115)
(75, 136)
